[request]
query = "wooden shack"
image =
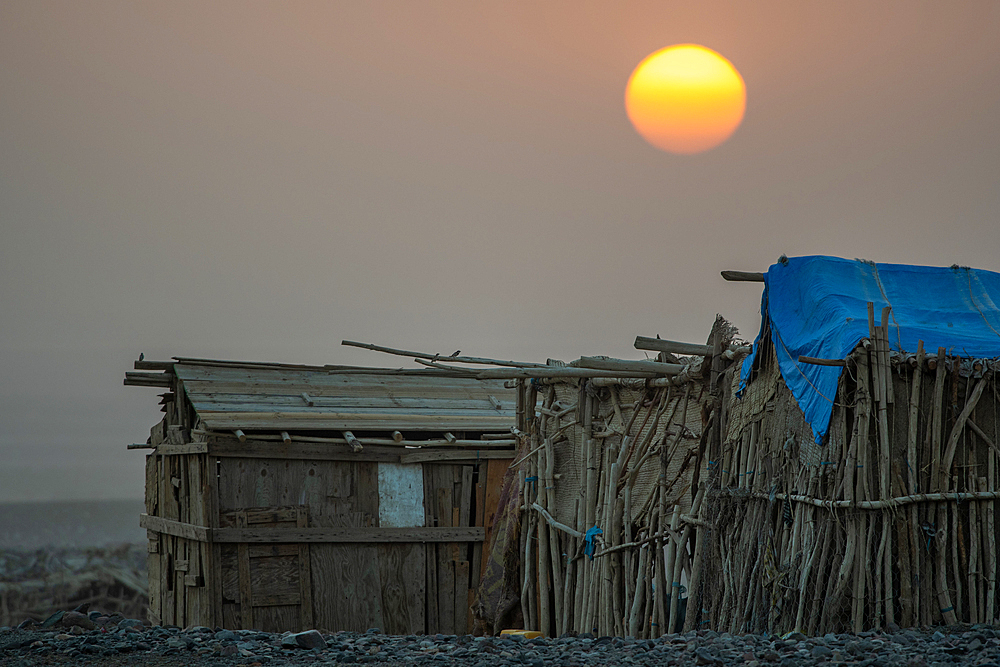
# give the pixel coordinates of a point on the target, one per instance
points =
(283, 497)
(613, 454)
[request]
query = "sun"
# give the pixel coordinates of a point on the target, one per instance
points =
(685, 99)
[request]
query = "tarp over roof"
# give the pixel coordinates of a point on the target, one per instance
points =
(817, 306)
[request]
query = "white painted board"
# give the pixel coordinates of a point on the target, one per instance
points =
(400, 495)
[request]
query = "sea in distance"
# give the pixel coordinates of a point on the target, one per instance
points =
(70, 523)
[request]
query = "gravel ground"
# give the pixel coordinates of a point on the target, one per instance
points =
(78, 639)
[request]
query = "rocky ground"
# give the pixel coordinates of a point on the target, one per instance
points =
(74, 638)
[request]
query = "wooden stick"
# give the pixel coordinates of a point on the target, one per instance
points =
(956, 431)
(973, 569)
(569, 579)
(866, 388)
(885, 464)
(821, 572)
(526, 554)
(556, 524)
(956, 540)
(912, 465)
(990, 547)
(439, 357)
(860, 576)
(649, 608)
(815, 361)
(937, 421)
(352, 441)
(681, 544)
(743, 276)
(638, 600)
(544, 581)
(671, 347)
(628, 365)
(891, 503)
(564, 372)
(906, 565)
(579, 583)
(696, 589)
(549, 493)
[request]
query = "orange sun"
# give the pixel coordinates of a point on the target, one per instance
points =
(685, 99)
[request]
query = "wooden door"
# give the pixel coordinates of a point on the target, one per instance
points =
(267, 586)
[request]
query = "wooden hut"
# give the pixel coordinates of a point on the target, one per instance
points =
(283, 497)
(857, 486)
(612, 455)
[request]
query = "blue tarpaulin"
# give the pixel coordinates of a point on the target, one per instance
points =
(818, 307)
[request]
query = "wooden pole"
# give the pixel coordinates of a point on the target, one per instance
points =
(743, 276)
(696, 588)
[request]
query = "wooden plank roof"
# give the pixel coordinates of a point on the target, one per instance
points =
(271, 397)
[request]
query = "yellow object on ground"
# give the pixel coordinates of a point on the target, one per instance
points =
(527, 634)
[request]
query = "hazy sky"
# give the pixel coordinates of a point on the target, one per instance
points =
(261, 180)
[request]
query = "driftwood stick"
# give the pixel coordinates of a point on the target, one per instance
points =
(891, 503)
(956, 431)
(556, 524)
(441, 357)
